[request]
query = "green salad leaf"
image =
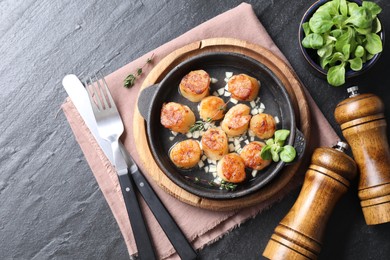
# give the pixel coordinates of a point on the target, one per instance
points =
(345, 36)
(276, 150)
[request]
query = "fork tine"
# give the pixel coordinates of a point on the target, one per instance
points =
(91, 94)
(102, 96)
(109, 96)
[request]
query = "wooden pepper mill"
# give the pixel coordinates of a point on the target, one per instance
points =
(363, 124)
(299, 234)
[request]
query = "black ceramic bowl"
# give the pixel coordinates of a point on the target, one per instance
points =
(311, 56)
(272, 93)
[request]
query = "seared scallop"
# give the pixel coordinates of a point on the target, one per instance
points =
(231, 168)
(236, 120)
(177, 117)
(243, 87)
(212, 108)
(263, 125)
(186, 154)
(251, 156)
(195, 85)
(214, 143)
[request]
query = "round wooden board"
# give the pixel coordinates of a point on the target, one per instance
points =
(274, 63)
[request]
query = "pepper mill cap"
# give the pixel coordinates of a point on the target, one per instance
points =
(335, 160)
(358, 107)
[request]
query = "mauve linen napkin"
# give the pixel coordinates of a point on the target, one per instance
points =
(201, 226)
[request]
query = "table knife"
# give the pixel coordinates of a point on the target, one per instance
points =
(79, 96)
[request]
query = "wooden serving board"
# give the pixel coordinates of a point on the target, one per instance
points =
(279, 68)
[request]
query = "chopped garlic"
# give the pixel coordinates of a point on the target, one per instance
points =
(174, 133)
(277, 120)
(231, 147)
(189, 135)
(254, 111)
(233, 100)
(253, 104)
(195, 134)
(262, 106)
(221, 91)
(254, 173)
(200, 164)
(227, 94)
(215, 93)
(171, 138)
(213, 80)
(228, 74)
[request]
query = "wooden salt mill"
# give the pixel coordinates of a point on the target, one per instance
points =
(299, 234)
(363, 124)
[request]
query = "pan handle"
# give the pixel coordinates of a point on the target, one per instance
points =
(145, 100)
(299, 145)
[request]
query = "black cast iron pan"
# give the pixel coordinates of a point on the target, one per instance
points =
(272, 94)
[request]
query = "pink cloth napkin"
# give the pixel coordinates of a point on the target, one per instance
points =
(201, 226)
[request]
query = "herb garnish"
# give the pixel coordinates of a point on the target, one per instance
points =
(276, 150)
(344, 35)
(224, 185)
(199, 125)
(131, 78)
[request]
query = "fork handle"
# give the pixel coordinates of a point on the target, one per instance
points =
(163, 217)
(137, 222)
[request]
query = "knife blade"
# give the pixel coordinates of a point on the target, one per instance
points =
(79, 96)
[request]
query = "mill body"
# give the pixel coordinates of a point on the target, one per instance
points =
(362, 121)
(299, 234)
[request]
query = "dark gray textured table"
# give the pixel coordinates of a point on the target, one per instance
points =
(51, 206)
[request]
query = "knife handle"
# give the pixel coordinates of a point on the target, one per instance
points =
(167, 223)
(137, 222)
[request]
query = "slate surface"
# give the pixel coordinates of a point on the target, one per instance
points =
(51, 207)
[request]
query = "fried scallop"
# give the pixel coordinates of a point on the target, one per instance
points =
(177, 117)
(195, 85)
(215, 143)
(212, 107)
(231, 168)
(251, 156)
(263, 125)
(243, 87)
(185, 154)
(236, 120)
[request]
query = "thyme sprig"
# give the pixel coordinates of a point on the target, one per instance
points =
(132, 77)
(199, 125)
(224, 185)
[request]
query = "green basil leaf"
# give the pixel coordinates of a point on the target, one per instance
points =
(288, 154)
(352, 7)
(336, 75)
(330, 7)
(361, 18)
(376, 26)
(364, 30)
(359, 52)
(320, 22)
(373, 43)
(369, 56)
(336, 33)
(324, 61)
(270, 141)
(336, 58)
(373, 7)
(339, 20)
(281, 135)
(266, 152)
(346, 51)
(306, 28)
(313, 41)
(344, 8)
(356, 63)
(344, 39)
(275, 155)
(325, 51)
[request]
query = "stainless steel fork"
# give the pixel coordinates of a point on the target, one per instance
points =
(110, 127)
